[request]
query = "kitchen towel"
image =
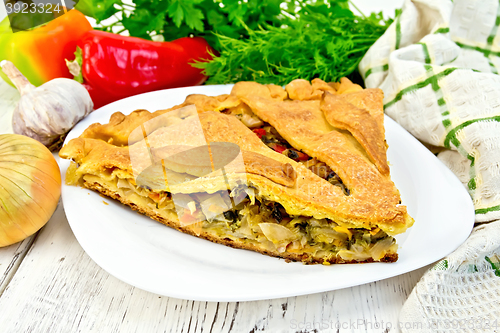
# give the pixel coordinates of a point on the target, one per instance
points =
(462, 292)
(438, 66)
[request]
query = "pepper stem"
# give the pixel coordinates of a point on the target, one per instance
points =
(75, 70)
(22, 84)
(75, 66)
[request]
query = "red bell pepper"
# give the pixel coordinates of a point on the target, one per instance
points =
(260, 132)
(277, 147)
(115, 66)
(302, 156)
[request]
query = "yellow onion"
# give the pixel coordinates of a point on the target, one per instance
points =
(30, 187)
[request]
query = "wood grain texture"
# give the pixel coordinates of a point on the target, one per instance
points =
(10, 256)
(10, 259)
(8, 100)
(58, 288)
(51, 285)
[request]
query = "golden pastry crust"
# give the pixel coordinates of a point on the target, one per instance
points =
(314, 122)
(182, 159)
(97, 155)
(374, 198)
(356, 113)
(318, 84)
(303, 90)
(117, 131)
(373, 201)
(269, 91)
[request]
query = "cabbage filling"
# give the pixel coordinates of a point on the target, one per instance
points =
(267, 223)
(256, 220)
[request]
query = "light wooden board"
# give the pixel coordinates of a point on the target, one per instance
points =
(8, 100)
(58, 288)
(10, 259)
(10, 256)
(50, 285)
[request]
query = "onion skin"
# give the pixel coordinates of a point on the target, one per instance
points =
(30, 187)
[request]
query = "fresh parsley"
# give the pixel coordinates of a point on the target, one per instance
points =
(268, 41)
(320, 41)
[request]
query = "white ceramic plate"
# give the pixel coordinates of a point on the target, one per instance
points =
(150, 256)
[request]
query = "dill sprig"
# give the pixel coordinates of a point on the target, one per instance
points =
(321, 41)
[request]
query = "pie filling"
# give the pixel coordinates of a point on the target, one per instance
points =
(250, 218)
(270, 136)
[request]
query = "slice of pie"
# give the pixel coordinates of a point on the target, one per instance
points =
(298, 173)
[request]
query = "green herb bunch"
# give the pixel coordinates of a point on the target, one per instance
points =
(322, 41)
(268, 41)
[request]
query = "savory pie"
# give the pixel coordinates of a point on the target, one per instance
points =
(298, 173)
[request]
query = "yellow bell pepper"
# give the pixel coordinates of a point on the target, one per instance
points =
(39, 53)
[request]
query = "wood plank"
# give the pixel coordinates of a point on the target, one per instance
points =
(8, 100)
(10, 256)
(58, 288)
(10, 259)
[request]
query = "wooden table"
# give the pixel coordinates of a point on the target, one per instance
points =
(49, 284)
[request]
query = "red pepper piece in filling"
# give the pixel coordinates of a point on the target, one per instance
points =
(296, 155)
(116, 67)
(260, 132)
(302, 156)
(277, 147)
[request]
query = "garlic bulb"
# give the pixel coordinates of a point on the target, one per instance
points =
(47, 113)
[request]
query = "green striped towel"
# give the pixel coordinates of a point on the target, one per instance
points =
(438, 66)
(462, 292)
